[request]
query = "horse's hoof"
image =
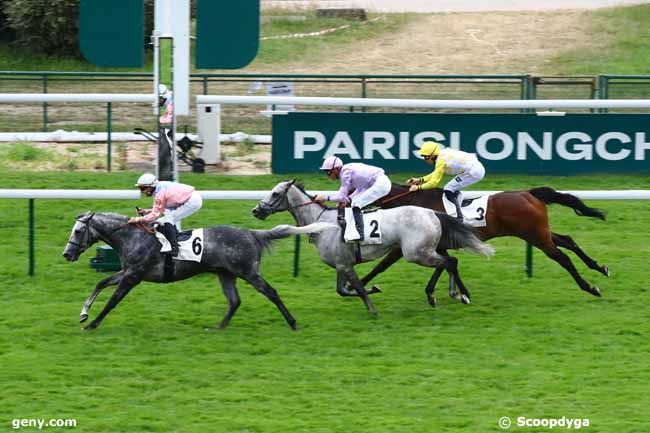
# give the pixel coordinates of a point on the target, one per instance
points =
(464, 299)
(595, 291)
(374, 289)
(88, 328)
(454, 295)
(83, 318)
(605, 270)
(432, 301)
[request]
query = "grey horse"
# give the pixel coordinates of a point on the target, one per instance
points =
(229, 252)
(416, 231)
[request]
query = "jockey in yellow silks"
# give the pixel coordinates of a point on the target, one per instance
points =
(465, 167)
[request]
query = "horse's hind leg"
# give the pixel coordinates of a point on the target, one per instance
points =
(265, 288)
(451, 265)
(554, 253)
(431, 286)
(113, 279)
(565, 241)
(439, 260)
(452, 280)
(229, 289)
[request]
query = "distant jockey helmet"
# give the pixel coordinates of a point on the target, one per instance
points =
(163, 91)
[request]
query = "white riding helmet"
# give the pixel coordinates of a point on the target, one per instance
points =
(147, 179)
(163, 91)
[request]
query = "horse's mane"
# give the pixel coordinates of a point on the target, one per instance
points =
(113, 215)
(301, 186)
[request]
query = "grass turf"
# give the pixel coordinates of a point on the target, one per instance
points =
(526, 347)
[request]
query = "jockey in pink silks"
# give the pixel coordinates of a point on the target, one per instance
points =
(166, 99)
(173, 201)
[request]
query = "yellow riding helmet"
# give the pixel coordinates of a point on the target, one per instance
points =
(430, 148)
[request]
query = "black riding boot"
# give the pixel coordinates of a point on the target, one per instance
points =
(358, 219)
(170, 233)
(454, 197)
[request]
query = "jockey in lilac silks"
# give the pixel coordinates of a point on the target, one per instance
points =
(361, 184)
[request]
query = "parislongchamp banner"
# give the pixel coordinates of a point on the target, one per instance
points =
(504, 143)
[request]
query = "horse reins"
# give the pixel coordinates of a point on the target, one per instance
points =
(395, 197)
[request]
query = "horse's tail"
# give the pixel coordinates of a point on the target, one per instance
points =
(266, 237)
(456, 235)
(549, 196)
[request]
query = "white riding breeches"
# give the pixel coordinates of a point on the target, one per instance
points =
(475, 173)
(379, 189)
(175, 216)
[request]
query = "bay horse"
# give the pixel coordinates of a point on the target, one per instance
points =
(229, 252)
(511, 213)
(414, 231)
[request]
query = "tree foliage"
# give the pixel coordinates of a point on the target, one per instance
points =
(52, 26)
(46, 26)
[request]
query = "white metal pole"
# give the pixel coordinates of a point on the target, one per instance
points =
(156, 71)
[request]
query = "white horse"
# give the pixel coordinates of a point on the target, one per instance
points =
(417, 231)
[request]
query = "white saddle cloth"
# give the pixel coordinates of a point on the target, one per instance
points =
(474, 213)
(190, 249)
(371, 227)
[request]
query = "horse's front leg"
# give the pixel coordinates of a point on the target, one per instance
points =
(345, 290)
(113, 279)
(128, 281)
(353, 278)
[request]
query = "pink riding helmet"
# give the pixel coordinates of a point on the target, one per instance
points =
(331, 162)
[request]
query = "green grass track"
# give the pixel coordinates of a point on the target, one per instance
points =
(538, 348)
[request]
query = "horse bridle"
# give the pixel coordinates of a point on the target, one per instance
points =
(283, 195)
(85, 235)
